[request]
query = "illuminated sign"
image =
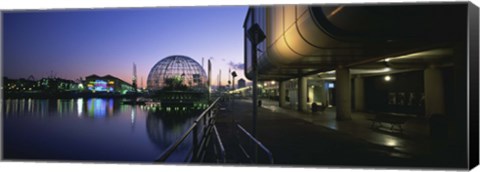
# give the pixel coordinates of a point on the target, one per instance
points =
(100, 85)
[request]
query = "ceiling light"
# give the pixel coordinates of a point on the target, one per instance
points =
(387, 78)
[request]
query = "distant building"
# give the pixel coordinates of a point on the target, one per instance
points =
(241, 83)
(18, 85)
(107, 83)
(42, 85)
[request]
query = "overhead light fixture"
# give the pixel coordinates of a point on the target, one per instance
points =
(387, 78)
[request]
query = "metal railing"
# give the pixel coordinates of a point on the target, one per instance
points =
(206, 121)
(256, 142)
(223, 156)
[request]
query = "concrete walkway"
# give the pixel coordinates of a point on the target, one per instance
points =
(297, 138)
(414, 139)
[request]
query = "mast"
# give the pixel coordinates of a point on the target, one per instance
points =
(229, 79)
(134, 80)
(209, 78)
(220, 78)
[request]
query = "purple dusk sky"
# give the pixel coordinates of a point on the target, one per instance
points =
(77, 43)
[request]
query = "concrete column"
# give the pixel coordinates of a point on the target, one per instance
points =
(310, 93)
(326, 94)
(292, 94)
(302, 94)
(282, 93)
(318, 93)
(359, 94)
(434, 92)
(343, 94)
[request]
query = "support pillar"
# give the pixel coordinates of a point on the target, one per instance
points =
(434, 92)
(302, 94)
(343, 94)
(282, 93)
(320, 93)
(359, 94)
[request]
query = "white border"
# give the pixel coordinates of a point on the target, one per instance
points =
(87, 4)
(19, 5)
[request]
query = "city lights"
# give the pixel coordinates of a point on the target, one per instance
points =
(306, 85)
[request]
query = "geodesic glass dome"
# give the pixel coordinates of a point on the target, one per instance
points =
(176, 70)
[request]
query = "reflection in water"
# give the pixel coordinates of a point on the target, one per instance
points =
(94, 108)
(61, 119)
(164, 125)
(29, 105)
(79, 107)
(164, 128)
(99, 108)
(22, 105)
(63, 106)
(37, 107)
(132, 117)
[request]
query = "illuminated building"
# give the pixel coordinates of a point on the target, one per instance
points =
(331, 56)
(177, 73)
(107, 83)
(395, 61)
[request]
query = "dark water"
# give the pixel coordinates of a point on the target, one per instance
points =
(90, 130)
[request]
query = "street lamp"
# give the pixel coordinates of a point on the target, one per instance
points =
(256, 35)
(234, 74)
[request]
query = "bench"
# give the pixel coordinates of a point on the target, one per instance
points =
(393, 120)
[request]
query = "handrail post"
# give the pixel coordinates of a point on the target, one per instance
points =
(212, 113)
(205, 118)
(210, 116)
(195, 143)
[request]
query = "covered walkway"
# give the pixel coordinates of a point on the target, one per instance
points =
(297, 138)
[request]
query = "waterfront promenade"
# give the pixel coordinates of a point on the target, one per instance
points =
(296, 138)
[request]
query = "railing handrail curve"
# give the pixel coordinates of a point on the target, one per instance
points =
(269, 154)
(219, 140)
(164, 156)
